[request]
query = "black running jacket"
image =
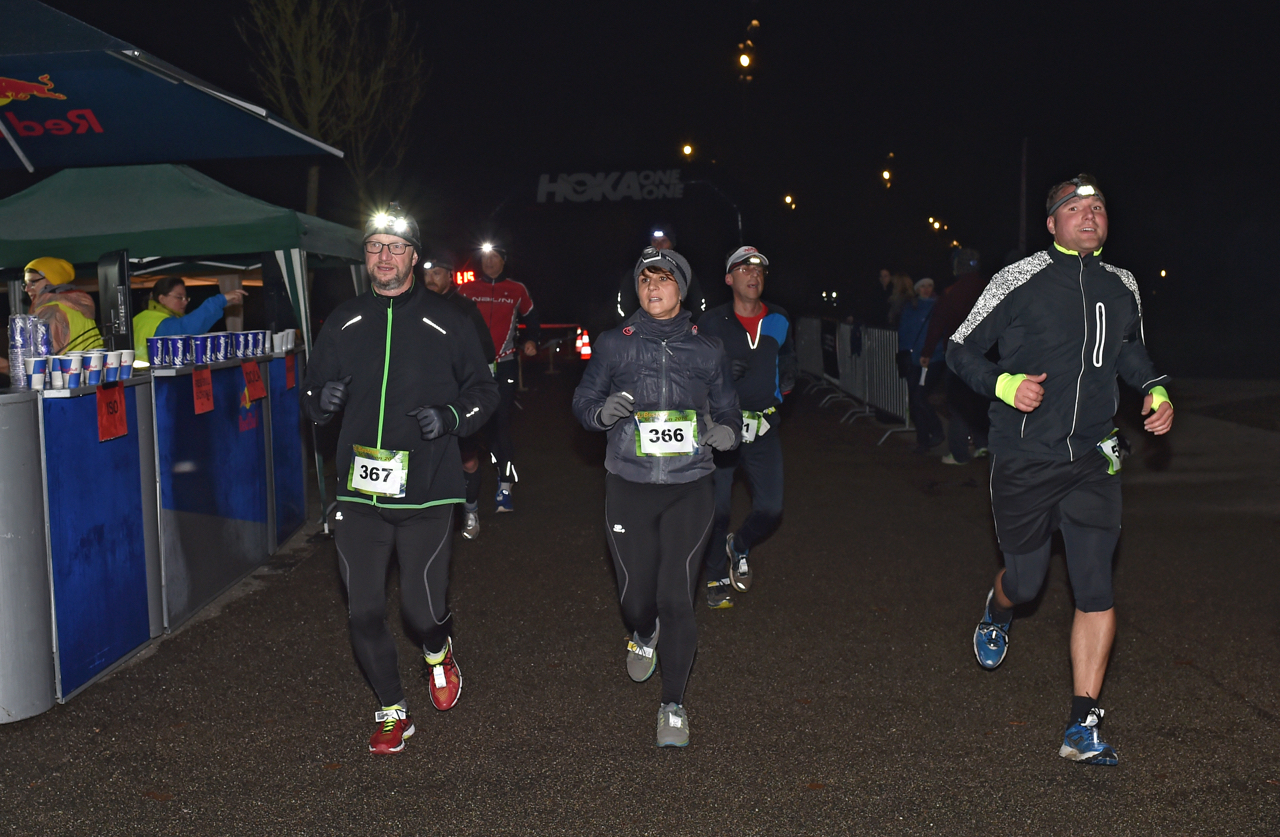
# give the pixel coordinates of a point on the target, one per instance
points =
(1073, 317)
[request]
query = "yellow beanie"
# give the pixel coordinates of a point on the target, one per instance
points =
(57, 271)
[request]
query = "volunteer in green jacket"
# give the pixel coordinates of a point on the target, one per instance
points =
(71, 314)
(164, 314)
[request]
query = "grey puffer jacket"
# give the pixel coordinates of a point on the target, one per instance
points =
(664, 365)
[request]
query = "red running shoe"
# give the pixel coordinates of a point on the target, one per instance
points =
(444, 679)
(394, 726)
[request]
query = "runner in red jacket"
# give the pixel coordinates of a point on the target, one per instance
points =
(503, 301)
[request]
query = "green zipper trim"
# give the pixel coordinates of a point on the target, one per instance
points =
(382, 398)
(369, 502)
(386, 368)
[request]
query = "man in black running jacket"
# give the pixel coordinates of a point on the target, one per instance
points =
(1067, 324)
(405, 369)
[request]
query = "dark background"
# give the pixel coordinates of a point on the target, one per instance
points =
(1169, 105)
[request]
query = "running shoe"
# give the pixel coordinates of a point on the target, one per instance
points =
(1081, 742)
(444, 679)
(503, 501)
(642, 657)
(719, 594)
(394, 726)
(739, 570)
(471, 524)
(980, 453)
(673, 726)
(951, 460)
(991, 639)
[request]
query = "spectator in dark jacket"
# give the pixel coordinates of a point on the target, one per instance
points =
(968, 409)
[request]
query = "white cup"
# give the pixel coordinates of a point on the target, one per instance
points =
(288, 339)
(56, 378)
(126, 363)
(111, 369)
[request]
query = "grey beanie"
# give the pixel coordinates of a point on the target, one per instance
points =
(667, 260)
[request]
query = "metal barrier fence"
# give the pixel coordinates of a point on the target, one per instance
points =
(865, 360)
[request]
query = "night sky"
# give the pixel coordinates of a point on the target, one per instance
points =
(1170, 105)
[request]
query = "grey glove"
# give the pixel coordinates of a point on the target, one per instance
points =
(334, 395)
(431, 421)
(738, 368)
(719, 436)
(616, 406)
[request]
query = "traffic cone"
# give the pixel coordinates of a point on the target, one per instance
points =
(577, 344)
(585, 351)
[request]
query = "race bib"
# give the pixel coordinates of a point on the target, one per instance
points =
(381, 473)
(753, 425)
(666, 432)
(1110, 450)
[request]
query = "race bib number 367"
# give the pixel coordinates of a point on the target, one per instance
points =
(381, 473)
(666, 432)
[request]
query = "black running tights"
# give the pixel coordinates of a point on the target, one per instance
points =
(657, 534)
(422, 540)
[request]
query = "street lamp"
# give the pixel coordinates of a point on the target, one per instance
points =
(688, 150)
(886, 175)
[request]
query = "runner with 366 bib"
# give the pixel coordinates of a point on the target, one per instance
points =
(662, 392)
(405, 368)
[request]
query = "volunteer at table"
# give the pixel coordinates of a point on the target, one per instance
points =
(166, 312)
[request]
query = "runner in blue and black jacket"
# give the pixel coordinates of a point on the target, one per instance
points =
(758, 341)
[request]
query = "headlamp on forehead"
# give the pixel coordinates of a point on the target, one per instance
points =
(1085, 188)
(487, 247)
(658, 234)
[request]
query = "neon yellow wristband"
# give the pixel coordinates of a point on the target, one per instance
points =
(1159, 395)
(1007, 387)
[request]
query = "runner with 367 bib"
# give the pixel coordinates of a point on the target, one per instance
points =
(405, 369)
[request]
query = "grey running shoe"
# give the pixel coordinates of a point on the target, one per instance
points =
(739, 570)
(642, 658)
(673, 726)
(719, 594)
(471, 524)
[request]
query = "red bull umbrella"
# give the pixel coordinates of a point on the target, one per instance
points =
(71, 95)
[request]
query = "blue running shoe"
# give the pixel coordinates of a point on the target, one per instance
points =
(991, 639)
(1081, 742)
(503, 501)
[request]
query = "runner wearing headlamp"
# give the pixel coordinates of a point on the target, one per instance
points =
(1067, 325)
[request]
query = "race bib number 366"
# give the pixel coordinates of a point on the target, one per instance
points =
(666, 432)
(381, 473)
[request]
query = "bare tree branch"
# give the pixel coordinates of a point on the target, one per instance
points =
(344, 71)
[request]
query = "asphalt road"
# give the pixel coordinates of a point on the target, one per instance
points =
(839, 696)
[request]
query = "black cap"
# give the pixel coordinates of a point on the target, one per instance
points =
(394, 221)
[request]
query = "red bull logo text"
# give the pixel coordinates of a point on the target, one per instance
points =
(80, 121)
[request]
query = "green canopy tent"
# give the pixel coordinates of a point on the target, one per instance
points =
(171, 212)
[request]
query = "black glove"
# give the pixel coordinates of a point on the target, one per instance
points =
(738, 368)
(719, 436)
(334, 395)
(431, 421)
(616, 406)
